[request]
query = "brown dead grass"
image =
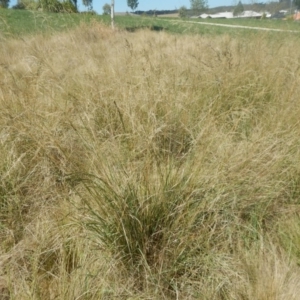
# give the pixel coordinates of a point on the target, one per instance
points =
(208, 123)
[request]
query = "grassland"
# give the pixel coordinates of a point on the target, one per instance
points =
(138, 164)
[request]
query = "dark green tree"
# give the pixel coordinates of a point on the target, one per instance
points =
(133, 4)
(50, 5)
(74, 2)
(198, 6)
(238, 9)
(106, 9)
(88, 4)
(69, 6)
(4, 3)
(297, 3)
(182, 12)
(57, 5)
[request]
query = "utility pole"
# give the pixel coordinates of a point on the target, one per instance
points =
(112, 13)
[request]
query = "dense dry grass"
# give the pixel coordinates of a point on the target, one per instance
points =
(149, 166)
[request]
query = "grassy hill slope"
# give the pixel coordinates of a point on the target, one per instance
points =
(20, 23)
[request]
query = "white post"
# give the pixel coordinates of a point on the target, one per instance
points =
(112, 13)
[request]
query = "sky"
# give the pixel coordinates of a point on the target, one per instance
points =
(121, 5)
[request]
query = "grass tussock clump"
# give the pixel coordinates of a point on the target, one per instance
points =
(149, 166)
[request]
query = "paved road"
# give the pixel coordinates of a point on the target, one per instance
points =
(240, 26)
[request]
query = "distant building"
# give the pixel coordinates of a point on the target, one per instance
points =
(229, 15)
(221, 15)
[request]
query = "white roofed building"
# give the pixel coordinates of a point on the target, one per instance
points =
(229, 15)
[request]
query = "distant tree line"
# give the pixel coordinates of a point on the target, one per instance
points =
(197, 6)
(4, 3)
(157, 12)
(60, 5)
(51, 5)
